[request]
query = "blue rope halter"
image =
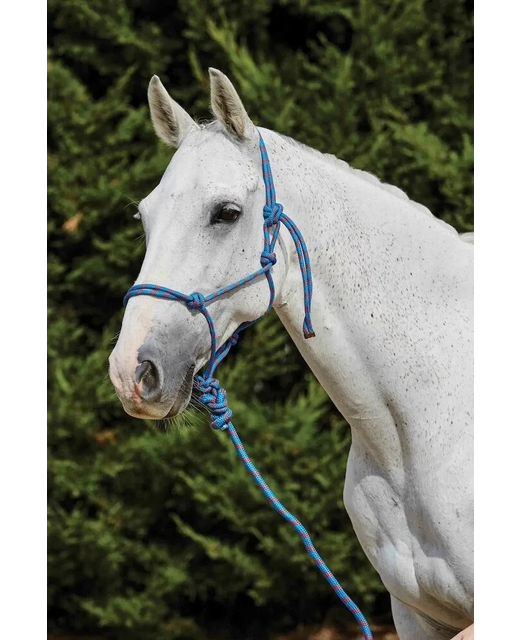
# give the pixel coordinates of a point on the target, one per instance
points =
(214, 397)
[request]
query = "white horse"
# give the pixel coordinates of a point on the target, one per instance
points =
(392, 313)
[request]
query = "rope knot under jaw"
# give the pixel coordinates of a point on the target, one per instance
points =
(272, 214)
(233, 339)
(195, 301)
(214, 397)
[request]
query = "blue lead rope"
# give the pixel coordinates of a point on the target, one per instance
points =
(214, 396)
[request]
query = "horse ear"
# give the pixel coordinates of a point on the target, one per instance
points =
(228, 107)
(170, 121)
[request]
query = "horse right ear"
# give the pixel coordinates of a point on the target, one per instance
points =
(170, 121)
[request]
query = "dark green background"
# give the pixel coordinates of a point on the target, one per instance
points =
(160, 533)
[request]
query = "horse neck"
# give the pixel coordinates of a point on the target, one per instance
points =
(382, 267)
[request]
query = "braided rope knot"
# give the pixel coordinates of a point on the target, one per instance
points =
(214, 397)
(272, 214)
(233, 339)
(195, 301)
(267, 258)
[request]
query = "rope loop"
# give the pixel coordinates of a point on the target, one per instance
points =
(214, 397)
(267, 258)
(272, 214)
(195, 301)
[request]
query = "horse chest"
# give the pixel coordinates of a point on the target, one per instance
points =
(398, 534)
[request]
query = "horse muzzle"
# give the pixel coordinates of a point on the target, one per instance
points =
(151, 386)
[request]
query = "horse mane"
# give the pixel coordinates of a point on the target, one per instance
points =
(374, 180)
(331, 159)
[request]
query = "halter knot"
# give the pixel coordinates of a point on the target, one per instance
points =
(195, 301)
(272, 213)
(267, 257)
(214, 397)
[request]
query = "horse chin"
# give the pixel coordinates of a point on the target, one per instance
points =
(179, 406)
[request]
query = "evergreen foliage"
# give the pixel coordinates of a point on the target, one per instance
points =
(162, 534)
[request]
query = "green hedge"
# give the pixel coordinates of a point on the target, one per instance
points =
(160, 533)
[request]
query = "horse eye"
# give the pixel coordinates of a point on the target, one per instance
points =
(226, 213)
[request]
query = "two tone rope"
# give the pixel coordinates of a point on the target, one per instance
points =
(214, 396)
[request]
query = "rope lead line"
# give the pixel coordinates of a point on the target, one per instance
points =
(214, 396)
(300, 530)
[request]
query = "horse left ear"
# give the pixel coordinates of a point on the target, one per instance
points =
(228, 107)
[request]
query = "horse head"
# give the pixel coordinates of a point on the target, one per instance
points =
(203, 229)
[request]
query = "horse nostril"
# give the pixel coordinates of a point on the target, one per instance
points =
(147, 373)
(142, 370)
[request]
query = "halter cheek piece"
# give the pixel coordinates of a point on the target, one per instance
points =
(212, 394)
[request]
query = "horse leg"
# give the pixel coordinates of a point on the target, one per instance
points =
(411, 626)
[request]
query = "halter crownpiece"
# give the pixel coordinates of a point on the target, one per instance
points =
(213, 395)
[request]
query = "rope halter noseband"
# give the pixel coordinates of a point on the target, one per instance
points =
(213, 395)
